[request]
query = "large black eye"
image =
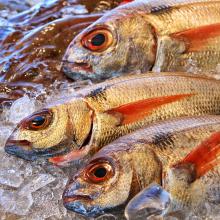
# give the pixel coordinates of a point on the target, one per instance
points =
(38, 121)
(99, 172)
(97, 40)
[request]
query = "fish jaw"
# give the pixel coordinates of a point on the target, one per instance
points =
(25, 150)
(22, 149)
(82, 204)
(81, 208)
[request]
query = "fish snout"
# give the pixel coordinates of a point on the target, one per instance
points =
(76, 67)
(75, 200)
(79, 202)
(20, 148)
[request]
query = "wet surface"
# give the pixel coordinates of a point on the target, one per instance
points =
(33, 42)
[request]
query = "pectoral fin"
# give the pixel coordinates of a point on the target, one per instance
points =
(73, 155)
(205, 156)
(197, 39)
(135, 111)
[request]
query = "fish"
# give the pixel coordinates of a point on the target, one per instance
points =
(78, 126)
(148, 35)
(179, 155)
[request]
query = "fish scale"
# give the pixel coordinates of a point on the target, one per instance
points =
(175, 19)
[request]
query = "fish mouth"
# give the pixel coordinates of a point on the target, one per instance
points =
(24, 149)
(78, 204)
(67, 200)
(77, 70)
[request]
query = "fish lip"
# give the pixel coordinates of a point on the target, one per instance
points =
(24, 149)
(76, 68)
(70, 199)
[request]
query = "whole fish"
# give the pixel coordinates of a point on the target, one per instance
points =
(157, 35)
(98, 115)
(129, 164)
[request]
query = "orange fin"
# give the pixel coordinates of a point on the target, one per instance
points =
(125, 2)
(205, 156)
(135, 111)
(197, 38)
(70, 157)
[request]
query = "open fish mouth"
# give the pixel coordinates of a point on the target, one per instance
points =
(77, 70)
(25, 150)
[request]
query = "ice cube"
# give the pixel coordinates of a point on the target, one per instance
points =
(37, 182)
(14, 202)
(151, 201)
(10, 174)
(20, 109)
(5, 132)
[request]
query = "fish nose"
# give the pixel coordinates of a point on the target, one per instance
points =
(71, 189)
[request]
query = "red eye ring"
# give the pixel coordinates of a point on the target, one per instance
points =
(99, 172)
(38, 121)
(97, 40)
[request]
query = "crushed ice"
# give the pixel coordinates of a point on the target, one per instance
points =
(32, 191)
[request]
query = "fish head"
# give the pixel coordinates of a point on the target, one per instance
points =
(51, 131)
(112, 46)
(107, 182)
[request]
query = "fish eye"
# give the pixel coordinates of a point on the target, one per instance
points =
(38, 121)
(97, 40)
(99, 172)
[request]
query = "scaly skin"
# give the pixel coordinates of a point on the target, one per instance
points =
(150, 35)
(106, 111)
(142, 158)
